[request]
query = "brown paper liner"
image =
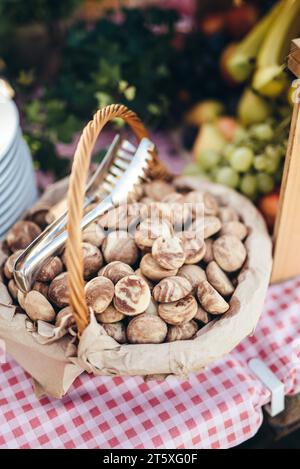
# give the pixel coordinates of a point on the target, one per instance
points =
(55, 365)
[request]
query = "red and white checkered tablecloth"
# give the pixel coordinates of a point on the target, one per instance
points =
(218, 408)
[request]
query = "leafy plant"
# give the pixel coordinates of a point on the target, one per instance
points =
(132, 62)
(125, 63)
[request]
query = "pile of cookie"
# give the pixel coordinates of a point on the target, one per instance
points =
(157, 269)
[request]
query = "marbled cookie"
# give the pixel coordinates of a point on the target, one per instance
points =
(132, 295)
(229, 253)
(171, 289)
(202, 315)
(209, 255)
(110, 315)
(178, 312)
(99, 293)
(117, 331)
(58, 291)
(193, 273)
(194, 247)
(149, 230)
(235, 228)
(158, 189)
(227, 214)
(115, 271)
(22, 234)
(119, 246)
(184, 332)
(168, 252)
(210, 299)
(218, 279)
(38, 307)
(50, 269)
(146, 329)
(152, 270)
(10, 262)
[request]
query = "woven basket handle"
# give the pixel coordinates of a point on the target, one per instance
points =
(75, 200)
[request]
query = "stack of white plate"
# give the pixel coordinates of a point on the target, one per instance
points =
(17, 181)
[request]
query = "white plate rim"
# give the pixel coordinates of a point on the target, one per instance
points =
(7, 106)
(24, 182)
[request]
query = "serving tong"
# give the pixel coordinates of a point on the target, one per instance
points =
(123, 168)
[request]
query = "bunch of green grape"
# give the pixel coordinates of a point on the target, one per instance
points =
(252, 163)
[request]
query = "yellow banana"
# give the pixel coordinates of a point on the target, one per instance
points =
(241, 64)
(270, 78)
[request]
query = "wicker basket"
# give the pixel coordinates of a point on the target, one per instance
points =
(55, 364)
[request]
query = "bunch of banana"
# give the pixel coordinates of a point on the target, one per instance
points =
(265, 48)
(241, 63)
(269, 78)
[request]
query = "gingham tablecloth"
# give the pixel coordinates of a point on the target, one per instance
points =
(218, 408)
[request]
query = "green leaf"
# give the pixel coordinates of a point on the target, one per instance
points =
(154, 109)
(26, 77)
(130, 93)
(103, 99)
(56, 110)
(33, 111)
(123, 85)
(67, 129)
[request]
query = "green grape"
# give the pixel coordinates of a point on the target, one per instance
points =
(228, 150)
(265, 183)
(241, 135)
(241, 159)
(248, 185)
(271, 166)
(209, 158)
(227, 176)
(193, 168)
(273, 151)
(262, 132)
(260, 162)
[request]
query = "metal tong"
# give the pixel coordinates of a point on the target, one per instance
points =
(122, 169)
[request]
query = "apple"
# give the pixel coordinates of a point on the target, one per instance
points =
(225, 57)
(228, 127)
(204, 111)
(269, 205)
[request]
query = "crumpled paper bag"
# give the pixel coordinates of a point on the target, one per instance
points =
(54, 358)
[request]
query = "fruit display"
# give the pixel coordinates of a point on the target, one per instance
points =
(270, 78)
(269, 205)
(241, 57)
(141, 60)
(250, 158)
(161, 282)
(263, 51)
(246, 150)
(229, 62)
